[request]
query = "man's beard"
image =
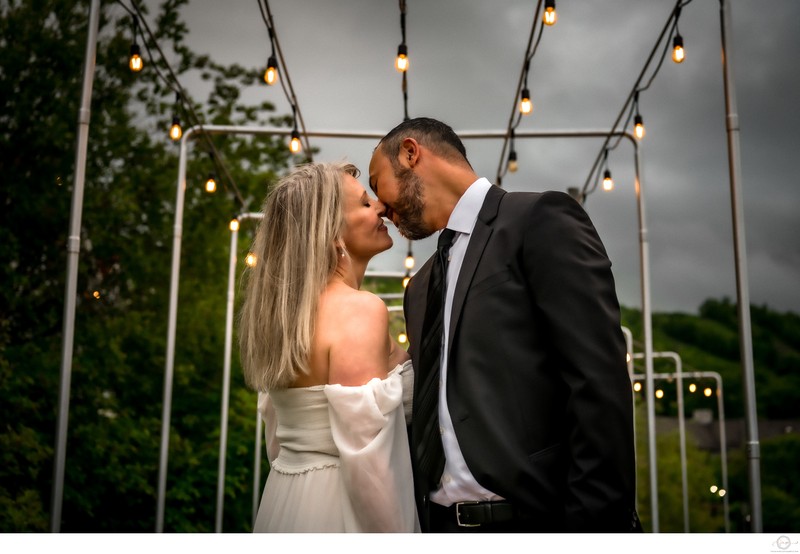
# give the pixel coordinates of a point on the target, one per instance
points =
(409, 206)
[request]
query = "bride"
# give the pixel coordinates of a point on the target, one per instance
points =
(330, 378)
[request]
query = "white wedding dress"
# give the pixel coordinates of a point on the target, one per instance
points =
(339, 458)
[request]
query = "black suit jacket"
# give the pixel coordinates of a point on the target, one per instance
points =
(537, 383)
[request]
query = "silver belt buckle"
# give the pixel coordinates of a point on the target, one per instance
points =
(458, 514)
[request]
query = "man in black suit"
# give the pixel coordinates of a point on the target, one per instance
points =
(530, 422)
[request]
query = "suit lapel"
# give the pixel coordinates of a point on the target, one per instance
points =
(477, 243)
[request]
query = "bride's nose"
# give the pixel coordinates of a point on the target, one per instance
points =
(380, 207)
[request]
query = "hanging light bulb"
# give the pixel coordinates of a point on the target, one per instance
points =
(402, 338)
(525, 104)
(175, 131)
(608, 182)
(135, 62)
(211, 183)
(401, 62)
(638, 126)
(409, 263)
(251, 259)
(234, 225)
(294, 144)
(271, 74)
(406, 279)
(550, 17)
(513, 166)
(678, 54)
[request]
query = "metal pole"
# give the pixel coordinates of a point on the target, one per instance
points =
(171, 326)
(226, 382)
(647, 325)
(681, 429)
(73, 250)
(226, 371)
(682, 433)
(723, 450)
(743, 296)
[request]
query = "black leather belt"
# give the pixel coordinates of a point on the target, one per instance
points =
(474, 514)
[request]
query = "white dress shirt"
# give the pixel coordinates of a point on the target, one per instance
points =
(457, 482)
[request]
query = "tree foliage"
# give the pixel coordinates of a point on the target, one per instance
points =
(124, 271)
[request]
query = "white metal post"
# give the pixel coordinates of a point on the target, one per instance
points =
(73, 250)
(742, 289)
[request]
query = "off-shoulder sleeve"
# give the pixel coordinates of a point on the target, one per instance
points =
(267, 411)
(369, 430)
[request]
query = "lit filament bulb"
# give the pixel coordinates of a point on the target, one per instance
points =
(659, 393)
(692, 388)
(294, 145)
(608, 182)
(638, 126)
(707, 391)
(250, 259)
(406, 279)
(175, 131)
(678, 54)
(525, 104)
(401, 62)
(271, 74)
(135, 62)
(513, 166)
(637, 386)
(550, 17)
(409, 261)
(234, 225)
(211, 183)
(402, 338)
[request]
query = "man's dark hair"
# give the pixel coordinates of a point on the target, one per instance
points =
(431, 133)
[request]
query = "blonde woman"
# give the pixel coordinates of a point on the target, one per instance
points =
(318, 350)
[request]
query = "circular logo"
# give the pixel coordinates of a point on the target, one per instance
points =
(783, 542)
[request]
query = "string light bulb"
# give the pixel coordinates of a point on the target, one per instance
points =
(406, 279)
(175, 131)
(211, 183)
(678, 53)
(135, 59)
(409, 263)
(525, 104)
(294, 144)
(251, 259)
(608, 182)
(402, 338)
(513, 166)
(234, 225)
(550, 17)
(271, 74)
(638, 126)
(401, 61)
(135, 62)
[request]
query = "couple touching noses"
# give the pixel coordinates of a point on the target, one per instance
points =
(521, 414)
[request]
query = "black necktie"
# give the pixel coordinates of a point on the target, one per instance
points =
(425, 421)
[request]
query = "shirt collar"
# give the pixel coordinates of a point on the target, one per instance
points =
(465, 214)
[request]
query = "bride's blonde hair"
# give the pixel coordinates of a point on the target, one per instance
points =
(296, 249)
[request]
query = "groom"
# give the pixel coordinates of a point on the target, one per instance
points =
(522, 401)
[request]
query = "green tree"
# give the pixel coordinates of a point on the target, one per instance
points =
(126, 248)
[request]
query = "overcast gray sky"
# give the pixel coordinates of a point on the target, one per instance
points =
(466, 57)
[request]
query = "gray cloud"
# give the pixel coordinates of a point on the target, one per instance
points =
(465, 64)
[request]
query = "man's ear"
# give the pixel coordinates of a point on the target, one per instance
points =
(409, 152)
